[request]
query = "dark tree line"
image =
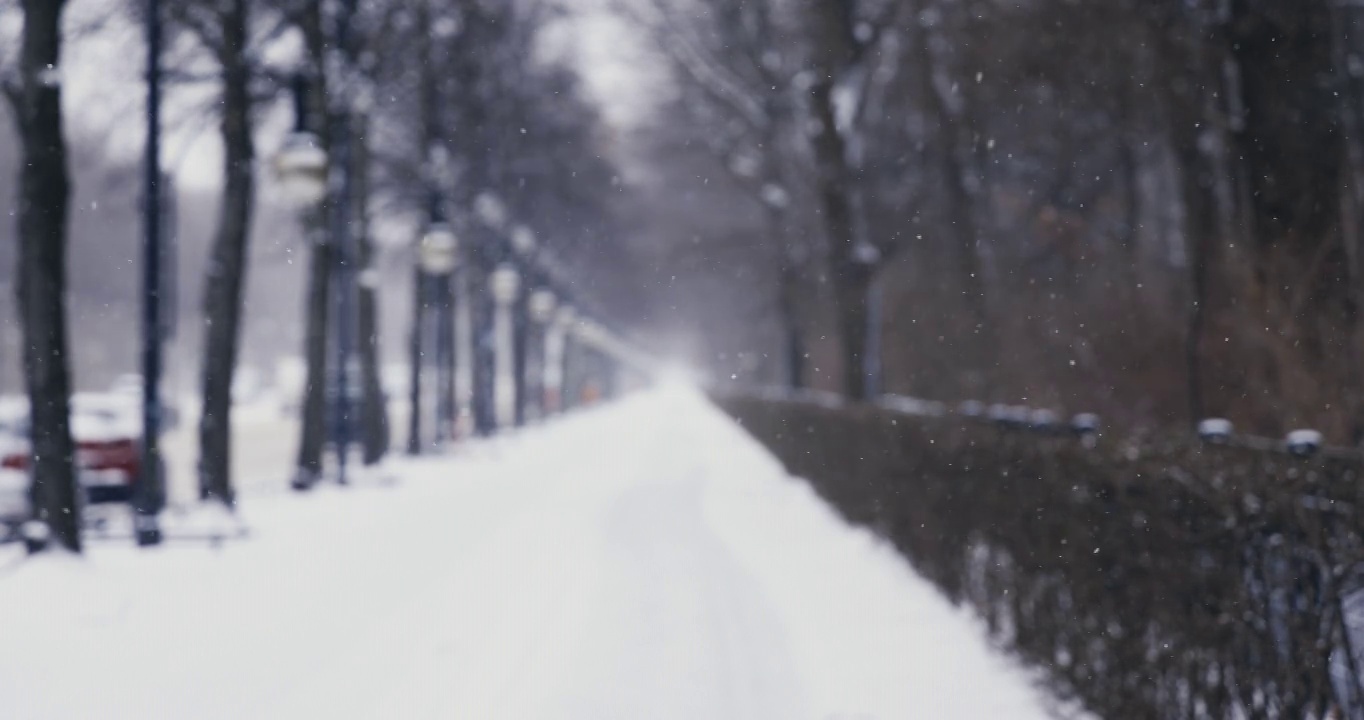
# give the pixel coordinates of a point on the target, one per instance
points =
(514, 123)
(1149, 208)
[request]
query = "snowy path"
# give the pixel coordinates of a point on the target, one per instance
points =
(643, 561)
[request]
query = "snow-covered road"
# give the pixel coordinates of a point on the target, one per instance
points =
(642, 561)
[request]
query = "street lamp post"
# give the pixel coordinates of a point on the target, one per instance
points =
(589, 357)
(464, 352)
(610, 383)
(416, 348)
(575, 366)
(301, 165)
(484, 260)
(525, 248)
(439, 258)
(505, 285)
(540, 308)
(149, 489)
(556, 358)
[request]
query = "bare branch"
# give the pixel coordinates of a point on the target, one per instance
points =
(701, 68)
(204, 22)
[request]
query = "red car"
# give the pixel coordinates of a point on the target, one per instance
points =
(108, 447)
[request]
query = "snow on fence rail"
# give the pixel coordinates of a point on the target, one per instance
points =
(1158, 578)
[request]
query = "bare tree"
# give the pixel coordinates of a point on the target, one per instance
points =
(951, 141)
(224, 29)
(737, 68)
(844, 37)
(374, 435)
(33, 89)
(309, 18)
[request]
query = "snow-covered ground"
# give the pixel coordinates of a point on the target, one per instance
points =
(644, 560)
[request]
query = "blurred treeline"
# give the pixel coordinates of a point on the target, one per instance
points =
(1146, 208)
(516, 123)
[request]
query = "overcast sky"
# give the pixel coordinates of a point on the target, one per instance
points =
(105, 94)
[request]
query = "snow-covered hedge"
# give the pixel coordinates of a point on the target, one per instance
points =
(1154, 578)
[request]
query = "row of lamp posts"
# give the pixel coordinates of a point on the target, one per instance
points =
(500, 338)
(502, 358)
(493, 315)
(506, 349)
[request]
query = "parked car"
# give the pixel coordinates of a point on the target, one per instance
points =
(14, 498)
(108, 449)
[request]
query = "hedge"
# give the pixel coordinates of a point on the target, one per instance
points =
(1161, 578)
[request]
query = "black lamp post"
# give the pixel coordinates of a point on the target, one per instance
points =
(563, 364)
(416, 348)
(439, 256)
(505, 287)
(540, 314)
(148, 495)
(485, 257)
(301, 165)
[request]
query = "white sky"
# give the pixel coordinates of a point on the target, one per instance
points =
(618, 71)
(105, 95)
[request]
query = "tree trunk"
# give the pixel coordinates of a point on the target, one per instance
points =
(1129, 167)
(415, 348)
(955, 152)
(1198, 197)
(448, 355)
(314, 407)
(419, 279)
(44, 199)
(791, 346)
(1281, 55)
(851, 293)
(227, 264)
(484, 360)
(793, 333)
(1348, 22)
(850, 277)
(851, 274)
(1200, 241)
(373, 410)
